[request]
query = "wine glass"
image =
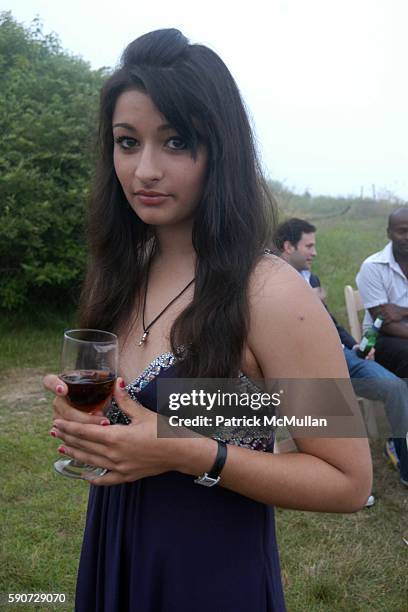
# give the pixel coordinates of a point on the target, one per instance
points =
(89, 364)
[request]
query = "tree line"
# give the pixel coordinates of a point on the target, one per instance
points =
(48, 105)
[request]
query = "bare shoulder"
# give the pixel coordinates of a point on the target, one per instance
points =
(273, 282)
(290, 331)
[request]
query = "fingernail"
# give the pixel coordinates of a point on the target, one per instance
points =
(122, 383)
(60, 389)
(62, 450)
(105, 422)
(53, 433)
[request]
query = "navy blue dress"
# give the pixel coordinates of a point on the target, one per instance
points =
(165, 544)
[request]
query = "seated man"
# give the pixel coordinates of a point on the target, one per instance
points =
(296, 242)
(383, 285)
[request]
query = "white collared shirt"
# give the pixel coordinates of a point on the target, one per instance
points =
(381, 281)
(306, 275)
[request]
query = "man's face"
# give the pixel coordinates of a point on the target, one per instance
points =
(398, 234)
(301, 255)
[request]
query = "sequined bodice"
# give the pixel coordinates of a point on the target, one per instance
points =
(254, 438)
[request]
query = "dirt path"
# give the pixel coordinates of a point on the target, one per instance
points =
(22, 389)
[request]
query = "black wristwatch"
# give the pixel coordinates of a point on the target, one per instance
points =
(211, 478)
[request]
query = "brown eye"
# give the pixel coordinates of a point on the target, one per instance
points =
(125, 142)
(176, 143)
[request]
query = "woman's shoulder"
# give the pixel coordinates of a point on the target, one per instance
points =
(288, 324)
(280, 297)
(273, 277)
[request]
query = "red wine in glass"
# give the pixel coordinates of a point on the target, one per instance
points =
(88, 390)
(89, 369)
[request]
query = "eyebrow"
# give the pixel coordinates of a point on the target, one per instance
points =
(165, 127)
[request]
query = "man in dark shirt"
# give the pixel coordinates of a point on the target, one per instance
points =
(296, 242)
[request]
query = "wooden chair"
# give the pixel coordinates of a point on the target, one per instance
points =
(369, 408)
(354, 305)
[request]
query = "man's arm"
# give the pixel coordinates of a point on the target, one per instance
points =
(376, 300)
(346, 338)
(395, 319)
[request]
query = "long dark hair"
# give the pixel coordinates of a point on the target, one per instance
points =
(192, 87)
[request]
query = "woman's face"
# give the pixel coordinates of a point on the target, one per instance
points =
(161, 181)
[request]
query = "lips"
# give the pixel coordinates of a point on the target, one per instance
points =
(151, 197)
(153, 194)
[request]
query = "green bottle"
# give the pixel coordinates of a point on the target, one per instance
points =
(370, 338)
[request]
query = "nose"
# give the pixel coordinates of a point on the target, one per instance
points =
(148, 167)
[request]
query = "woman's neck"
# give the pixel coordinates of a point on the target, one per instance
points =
(174, 246)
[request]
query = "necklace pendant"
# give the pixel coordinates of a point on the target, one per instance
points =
(147, 329)
(143, 338)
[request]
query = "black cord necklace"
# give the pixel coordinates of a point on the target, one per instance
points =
(146, 329)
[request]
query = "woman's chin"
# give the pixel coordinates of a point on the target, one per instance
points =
(163, 218)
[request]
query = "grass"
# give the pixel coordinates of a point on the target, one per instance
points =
(41, 514)
(330, 563)
(33, 339)
(348, 562)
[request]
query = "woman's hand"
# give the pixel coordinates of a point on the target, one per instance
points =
(129, 452)
(64, 410)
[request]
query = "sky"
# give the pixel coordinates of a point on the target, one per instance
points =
(324, 81)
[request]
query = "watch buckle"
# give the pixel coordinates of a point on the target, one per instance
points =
(207, 481)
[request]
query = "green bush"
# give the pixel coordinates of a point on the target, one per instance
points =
(48, 101)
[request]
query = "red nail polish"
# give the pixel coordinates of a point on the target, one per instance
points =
(105, 423)
(61, 449)
(122, 384)
(53, 434)
(60, 389)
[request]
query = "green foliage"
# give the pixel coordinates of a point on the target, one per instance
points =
(48, 101)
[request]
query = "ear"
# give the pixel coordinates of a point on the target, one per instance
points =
(388, 233)
(288, 247)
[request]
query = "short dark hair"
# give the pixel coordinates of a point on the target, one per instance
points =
(291, 231)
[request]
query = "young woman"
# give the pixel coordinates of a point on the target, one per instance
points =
(178, 224)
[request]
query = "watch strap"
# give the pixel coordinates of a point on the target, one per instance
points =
(211, 478)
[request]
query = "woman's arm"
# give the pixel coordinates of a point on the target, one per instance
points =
(292, 337)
